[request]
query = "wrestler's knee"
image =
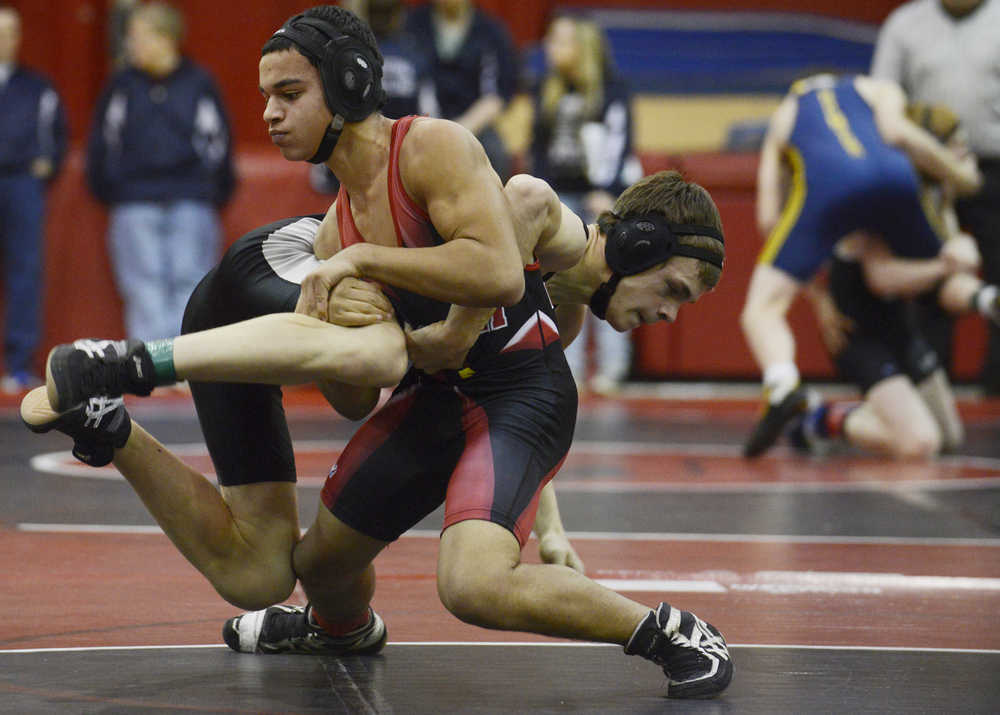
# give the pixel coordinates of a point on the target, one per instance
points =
(253, 589)
(920, 441)
(475, 574)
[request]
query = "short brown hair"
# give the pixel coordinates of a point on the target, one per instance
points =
(667, 193)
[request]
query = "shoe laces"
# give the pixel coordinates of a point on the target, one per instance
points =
(99, 407)
(292, 625)
(686, 657)
(101, 375)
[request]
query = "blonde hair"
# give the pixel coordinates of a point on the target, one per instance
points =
(592, 63)
(165, 19)
(938, 119)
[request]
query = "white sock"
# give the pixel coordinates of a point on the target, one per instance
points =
(986, 302)
(779, 380)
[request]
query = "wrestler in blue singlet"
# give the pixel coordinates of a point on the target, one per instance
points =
(845, 177)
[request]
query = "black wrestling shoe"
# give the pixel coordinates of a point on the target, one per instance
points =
(770, 426)
(692, 653)
(97, 425)
(289, 629)
(88, 368)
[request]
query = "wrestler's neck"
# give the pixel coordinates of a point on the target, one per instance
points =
(577, 284)
(362, 153)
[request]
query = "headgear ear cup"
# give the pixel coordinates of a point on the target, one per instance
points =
(638, 243)
(352, 79)
(350, 72)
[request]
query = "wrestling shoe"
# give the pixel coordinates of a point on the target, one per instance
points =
(86, 368)
(770, 426)
(289, 629)
(97, 425)
(806, 431)
(692, 653)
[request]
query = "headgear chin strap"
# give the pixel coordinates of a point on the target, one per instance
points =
(638, 243)
(328, 142)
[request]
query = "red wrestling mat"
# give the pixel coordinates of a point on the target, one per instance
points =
(65, 590)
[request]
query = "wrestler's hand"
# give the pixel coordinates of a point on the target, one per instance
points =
(354, 302)
(961, 253)
(444, 345)
(554, 548)
(434, 347)
(316, 287)
(968, 179)
(834, 326)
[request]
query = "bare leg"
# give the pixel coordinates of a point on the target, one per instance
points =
(894, 420)
(763, 319)
(288, 348)
(241, 539)
(482, 581)
(334, 563)
(936, 393)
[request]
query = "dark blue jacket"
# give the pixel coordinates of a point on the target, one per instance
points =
(557, 147)
(34, 122)
(486, 63)
(160, 139)
(405, 75)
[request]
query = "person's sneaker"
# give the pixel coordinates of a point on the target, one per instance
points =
(770, 426)
(605, 386)
(14, 383)
(993, 309)
(289, 629)
(692, 653)
(86, 368)
(98, 425)
(804, 430)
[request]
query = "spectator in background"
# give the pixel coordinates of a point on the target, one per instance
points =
(118, 14)
(581, 144)
(32, 147)
(948, 51)
(474, 66)
(160, 156)
(406, 76)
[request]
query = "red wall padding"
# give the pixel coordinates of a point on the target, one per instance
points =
(81, 301)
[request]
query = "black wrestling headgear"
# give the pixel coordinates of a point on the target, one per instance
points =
(638, 243)
(350, 72)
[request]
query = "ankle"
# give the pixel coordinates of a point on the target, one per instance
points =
(339, 628)
(162, 354)
(779, 381)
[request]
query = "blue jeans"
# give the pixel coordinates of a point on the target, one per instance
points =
(22, 211)
(159, 253)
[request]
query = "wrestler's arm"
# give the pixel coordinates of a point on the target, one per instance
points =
(554, 546)
(443, 345)
(888, 275)
(444, 169)
(547, 231)
(771, 172)
(834, 326)
(925, 151)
